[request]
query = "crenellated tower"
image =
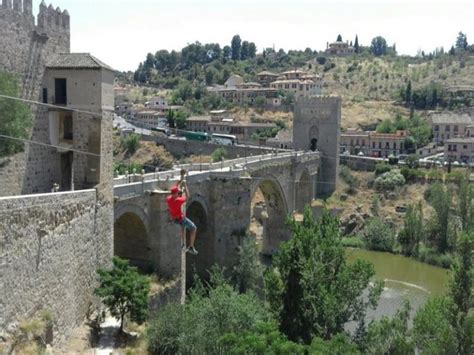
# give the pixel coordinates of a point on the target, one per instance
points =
(316, 126)
(26, 48)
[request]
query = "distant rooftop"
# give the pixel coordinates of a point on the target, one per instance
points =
(444, 118)
(265, 72)
(76, 61)
(461, 140)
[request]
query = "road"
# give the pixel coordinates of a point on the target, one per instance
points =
(119, 122)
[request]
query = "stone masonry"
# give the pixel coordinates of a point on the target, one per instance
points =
(25, 50)
(316, 126)
(52, 243)
(49, 265)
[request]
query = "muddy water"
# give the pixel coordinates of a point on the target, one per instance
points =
(404, 278)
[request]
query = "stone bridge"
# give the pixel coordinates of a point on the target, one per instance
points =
(224, 198)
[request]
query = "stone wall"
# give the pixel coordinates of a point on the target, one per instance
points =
(179, 148)
(51, 246)
(360, 163)
(26, 48)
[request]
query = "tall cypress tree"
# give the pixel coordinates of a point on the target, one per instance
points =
(408, 93)
(356, 44)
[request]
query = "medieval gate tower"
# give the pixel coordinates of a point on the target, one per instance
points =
(316, 126)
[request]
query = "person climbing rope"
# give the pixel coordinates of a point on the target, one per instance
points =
(176, 203)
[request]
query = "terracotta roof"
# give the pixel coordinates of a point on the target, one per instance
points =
(76, 61)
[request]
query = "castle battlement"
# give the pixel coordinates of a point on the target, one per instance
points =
(318, 100)
(18, 6)
(49, 18)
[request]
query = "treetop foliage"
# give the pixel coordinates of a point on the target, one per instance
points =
(16, 118)
(124, 291)
(312, 288)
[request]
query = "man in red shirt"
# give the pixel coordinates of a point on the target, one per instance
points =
(175, 207)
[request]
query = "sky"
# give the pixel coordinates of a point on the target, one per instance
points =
(122, 32)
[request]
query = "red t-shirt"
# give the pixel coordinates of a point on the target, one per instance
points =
(174, 206)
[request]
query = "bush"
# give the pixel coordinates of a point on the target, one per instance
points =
(321, 60)
(382, 168)
(431, 256)
(389, 181)
(378, 235)
(210, 313)
(131, 143)
(412, 175)
(346, 174)
(432, 330)
(218, 155)
(352, 242)
(412, 161)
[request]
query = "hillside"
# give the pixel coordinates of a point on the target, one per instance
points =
(370, 86)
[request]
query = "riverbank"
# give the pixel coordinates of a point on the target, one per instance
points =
(425, 255)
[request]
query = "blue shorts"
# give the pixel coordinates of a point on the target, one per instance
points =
(186, 223)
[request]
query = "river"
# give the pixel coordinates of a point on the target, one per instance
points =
(405, 278)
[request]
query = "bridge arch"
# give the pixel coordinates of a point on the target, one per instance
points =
(131, 236)
(303, 190)
(197, 212)
(268, 214)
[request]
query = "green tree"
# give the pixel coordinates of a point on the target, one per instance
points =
(445, 325)
(264, 339)
(260, 101)
(248, 273)
(338, 344)
(170, 117)
(124, 291)
(378, 235)
(432, 330)
(408, 93)
(211, 311)
(131, 143)
(252, 50)
(236, 46)
(226, 53)
(312, 288)
(420, 130)
(412, 161)
(16, 117)
(389, 336)
(244, 50)
(386, 126)
(378, 46)
(413, 231)
(356, 45)
(461, 293)
(180, 119)
(440, 198)
(466, 203)
(461, 41)
(218, 155)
